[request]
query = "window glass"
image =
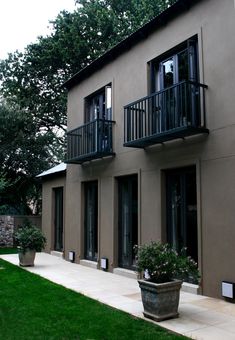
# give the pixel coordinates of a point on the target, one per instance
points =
(168, 72)
(179, 66)
(99, 106)
(183, 65)
(95, 107)
(108, 102)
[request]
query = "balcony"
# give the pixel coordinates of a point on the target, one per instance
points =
(175, 112)
(90, 141)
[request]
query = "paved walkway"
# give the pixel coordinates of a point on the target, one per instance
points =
(200, 317)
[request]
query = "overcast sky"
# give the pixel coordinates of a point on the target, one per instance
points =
(21, 21)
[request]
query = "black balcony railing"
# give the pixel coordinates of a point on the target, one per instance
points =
(90, 141)
(175, 112)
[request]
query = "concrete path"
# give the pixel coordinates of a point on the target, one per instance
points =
(200, 317)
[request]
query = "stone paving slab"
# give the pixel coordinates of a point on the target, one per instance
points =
(200, 318)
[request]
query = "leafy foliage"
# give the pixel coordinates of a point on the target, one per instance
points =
(24, 153)
(164, 264)
(29, 238)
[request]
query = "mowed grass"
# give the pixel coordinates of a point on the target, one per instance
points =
(4, 251)
(34, 308)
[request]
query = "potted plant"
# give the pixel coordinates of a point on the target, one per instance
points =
(29, 240)
(164, 269)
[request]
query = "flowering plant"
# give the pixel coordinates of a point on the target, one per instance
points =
(29, 238)
(162, 263)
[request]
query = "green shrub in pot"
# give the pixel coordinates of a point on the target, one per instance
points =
(29, 240)
(163, 264)
(164, 270)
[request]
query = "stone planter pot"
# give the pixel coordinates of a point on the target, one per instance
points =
(27, 259)
(160, 300)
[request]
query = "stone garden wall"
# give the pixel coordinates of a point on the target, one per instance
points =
(9, 223)
(6, 231)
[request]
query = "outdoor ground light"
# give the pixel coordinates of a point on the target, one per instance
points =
(104, 263)
(71, 256)
(228, 289)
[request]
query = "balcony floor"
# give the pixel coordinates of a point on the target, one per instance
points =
(165, 136)
(89, 157)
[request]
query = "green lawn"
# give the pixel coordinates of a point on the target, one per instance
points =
(34, 308)
(8, 251)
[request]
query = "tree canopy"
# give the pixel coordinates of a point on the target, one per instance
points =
(33, 101)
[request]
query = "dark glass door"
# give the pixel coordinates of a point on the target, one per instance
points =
(91, 221)
(179, 67)
(178, 101)
(58, 219)
(95, 107)
(173, 71)
(98, 111)
(182, 210)
(127, 220)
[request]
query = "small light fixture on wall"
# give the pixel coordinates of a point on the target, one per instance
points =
(104, 263)
(228, 289)
(71, 256)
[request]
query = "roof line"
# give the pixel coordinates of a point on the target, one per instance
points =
(60, 168)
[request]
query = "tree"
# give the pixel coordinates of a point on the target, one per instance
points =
(24, 152)
(33, 109)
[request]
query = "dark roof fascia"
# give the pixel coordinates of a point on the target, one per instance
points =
(176, 9)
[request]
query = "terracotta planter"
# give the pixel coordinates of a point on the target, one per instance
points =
(27, 259)
(160, 300)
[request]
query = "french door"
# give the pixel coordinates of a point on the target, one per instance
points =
(172, 71)
(176, 105)
(181, 203)
(127, 220)
(91, 220)
(58, 219)
(98, 112)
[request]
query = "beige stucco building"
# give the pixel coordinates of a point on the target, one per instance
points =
(151, 147)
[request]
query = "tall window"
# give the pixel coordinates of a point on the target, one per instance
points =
(58, 218)
(127, 220)
(98, 116)
(181, 203)
(177, 102)
(175, 66)
(91, 220)
(99, 105)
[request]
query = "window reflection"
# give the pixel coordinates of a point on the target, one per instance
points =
(168, 73)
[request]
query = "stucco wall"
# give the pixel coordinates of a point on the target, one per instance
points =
(214, 23)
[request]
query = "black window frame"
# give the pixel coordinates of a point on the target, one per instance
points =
(91, 189)
(189, 231)
(58, 196)
(191, 45)
(106, 113)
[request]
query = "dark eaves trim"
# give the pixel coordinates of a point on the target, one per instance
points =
(178, 8)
